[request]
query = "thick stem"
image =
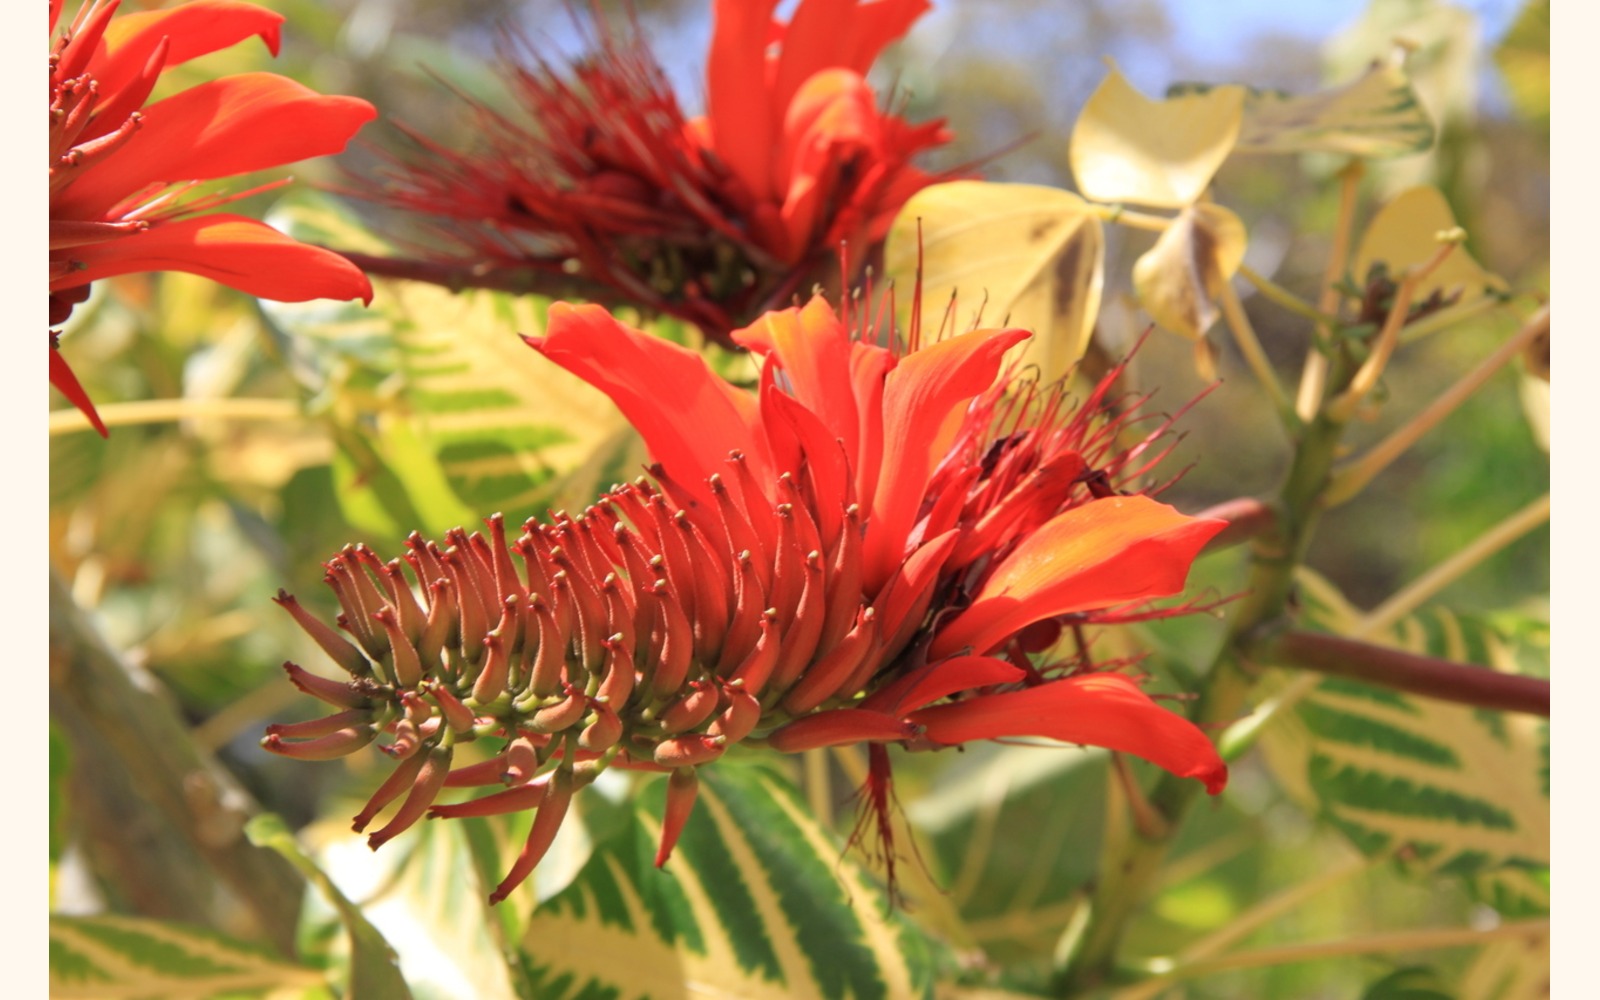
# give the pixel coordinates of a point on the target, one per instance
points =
(1392, 668)
(519, 280)
(162, 823)
(1134, 860)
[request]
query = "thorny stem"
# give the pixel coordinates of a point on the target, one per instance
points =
(1447, 318)
(519, 280)
(160, 411)
(1244, 334)
(1315, 374)
(1389, 337)
(1350, 480)
(163, 823)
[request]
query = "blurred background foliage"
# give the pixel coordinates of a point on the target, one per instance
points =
(175, 533)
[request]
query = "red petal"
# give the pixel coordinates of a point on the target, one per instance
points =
(239, 252)
(932, 681)
(813, 348)
(194, 29)
(689, 418)
(1107, 552)
(218, 129)
(919, 395)
(62, 378)
(838, 727)
(1103, 710)
(742, 122)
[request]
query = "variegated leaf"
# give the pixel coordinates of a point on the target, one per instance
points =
(105, 958)
(1377, 114)
(1452, 789)
(756, 902)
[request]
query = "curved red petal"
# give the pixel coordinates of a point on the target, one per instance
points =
(919, 395)
(63, 379)
(1103, 710)
(220, 128)
(689, 417)
(194, 29)
(813, 348)
(1107, 552)
(932, 681)
(239, 252)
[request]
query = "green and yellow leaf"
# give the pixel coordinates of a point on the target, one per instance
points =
(1178, 278)
(756, 902)
(1452, 789)
(106, 958)
(1377, 114)
(1523, 57)
(1019, 254)
(1126, 147)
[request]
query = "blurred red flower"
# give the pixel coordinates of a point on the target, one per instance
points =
(609, 189)
(874, 548)
(119, 170)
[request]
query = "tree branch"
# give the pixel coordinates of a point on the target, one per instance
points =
(517, 279)
(162, 823)
(1391, 668)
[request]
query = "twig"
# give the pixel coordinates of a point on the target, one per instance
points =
(519, 280)
(1315, 374)
(1247, 517)
(1392, 668)
(160, 411)
(1244, 335)
(1347, 482)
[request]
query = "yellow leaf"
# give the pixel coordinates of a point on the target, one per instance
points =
(1177, 279)
(1536, 406)
(1376, 114)
(1404, 234)
(1128, 148)
(1524, 61)
(1027, 256)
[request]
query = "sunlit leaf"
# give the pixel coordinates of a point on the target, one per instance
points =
(374, 969)
(1129, 148)
(755, 903)
(1177, 279)
(1452, 789)
(1377, 114)
(1523, 57)
(1404, 234)
(106, 958)
(1023, 255)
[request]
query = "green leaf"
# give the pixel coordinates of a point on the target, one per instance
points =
(1377, 114)
(1451, 789)
(374, 968)
(1013, 834)
(1411, 983)
(1013, 254)
(105, 958)
(756, 902)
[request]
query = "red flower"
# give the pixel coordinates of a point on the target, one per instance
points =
(119, 170)
(862, 552)
(614, 191)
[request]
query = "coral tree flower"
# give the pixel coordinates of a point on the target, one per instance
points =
(709, 219)
(863, 551)
(119, 170)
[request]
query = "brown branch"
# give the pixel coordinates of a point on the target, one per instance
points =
(1391, 668)
(1247, 517)
(161, 823)
(516, 279)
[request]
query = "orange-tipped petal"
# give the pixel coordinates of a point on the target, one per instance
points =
(1111, 551)
(239, 252)
(919, 395)
(1103, 710)
(689, 417)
